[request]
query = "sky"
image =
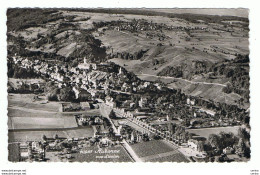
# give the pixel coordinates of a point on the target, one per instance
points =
(240, 12)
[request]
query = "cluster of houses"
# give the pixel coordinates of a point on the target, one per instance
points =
(31, 151)
(64, 148)
(84, 120)
(137, 25)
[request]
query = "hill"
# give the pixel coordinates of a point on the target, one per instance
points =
(190, 48)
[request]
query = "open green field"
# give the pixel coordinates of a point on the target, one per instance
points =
(44, 123)
(36, 135)
(152, 147)
(23, 105)
(32, 119)
(205, 132)
(94, 155)
(158, 151)
(26, 101)
(173, 157)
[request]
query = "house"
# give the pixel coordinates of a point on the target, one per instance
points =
(24, 154)
(36, 147)
(142, 102)
(64, 105)
(190, 101)
(207, 111)
(104, 142)
(193, 144)
(98, 120)
(81, 120)
(85, 105)
(87, 66)
(110, 102)
(228, 150)
(23, 145)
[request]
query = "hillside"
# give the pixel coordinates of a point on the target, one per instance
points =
(178, 49)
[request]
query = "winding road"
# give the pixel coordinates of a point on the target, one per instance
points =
(188, 81)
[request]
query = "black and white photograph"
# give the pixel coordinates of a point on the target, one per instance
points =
(128, 85)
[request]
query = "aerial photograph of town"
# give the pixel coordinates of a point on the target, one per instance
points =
(128, 85)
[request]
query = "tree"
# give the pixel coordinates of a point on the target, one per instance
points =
(44, 137)
(66, 94)
(240, 147)
(201, 146)
(112, 114)
(242, 133)
(214, 140)
(228, 89)
(55, 136)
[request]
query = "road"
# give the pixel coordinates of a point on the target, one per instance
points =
(47, 112)
(105, 113)
(188, 81)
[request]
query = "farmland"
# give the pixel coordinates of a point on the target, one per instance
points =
(41, 123)
(30, 120)
(36, 135)
(14, 154)
(157, 150)
(205, 132)
(22, 105)
(26, 101)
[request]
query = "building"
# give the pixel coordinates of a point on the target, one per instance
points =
(85, 105)
(87, 66)
(142, 102)
(228, 150)
(193, 144)
(64, 105)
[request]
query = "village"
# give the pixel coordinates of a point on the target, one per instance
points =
(132, 112)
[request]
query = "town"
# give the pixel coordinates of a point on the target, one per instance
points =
(92, 109)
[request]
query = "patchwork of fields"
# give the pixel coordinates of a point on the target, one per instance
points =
(29, 120)
(157, 150)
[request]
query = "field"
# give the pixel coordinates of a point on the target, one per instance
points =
(13, 82)
(96, 155)
(41, 123)
(21, 105)
(13, 152)
(174, 157)
(153, 151)
(26, 102)
(214, 45)
(36, 135)
(33, 119)
(205, 132)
